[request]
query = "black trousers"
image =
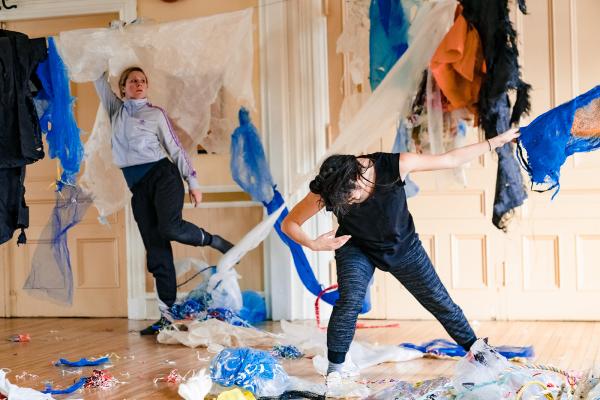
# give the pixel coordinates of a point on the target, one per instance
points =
(157, 204)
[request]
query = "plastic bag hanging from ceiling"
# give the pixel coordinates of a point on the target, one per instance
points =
(380, 112)
(191, 65)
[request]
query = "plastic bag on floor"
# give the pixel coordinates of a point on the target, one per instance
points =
(250, 369)
(339, 387)
(437, 389)
(212, 331)
(14, 392)
(313, 342)
(196, 387)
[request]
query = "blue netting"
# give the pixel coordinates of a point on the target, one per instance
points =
(58, 121)
(251, 171)
(253, 370)
(546, 142)
(51, 274)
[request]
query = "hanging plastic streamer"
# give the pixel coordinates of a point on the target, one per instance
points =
(51, 274)
(200, 70)
(58, 121)
(250, 369)
(446, 348)
(353, 43)
(545, 143)
(251, 171)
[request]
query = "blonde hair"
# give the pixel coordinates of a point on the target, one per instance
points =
(125, 75)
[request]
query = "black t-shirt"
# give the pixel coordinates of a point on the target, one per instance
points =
(381, 226)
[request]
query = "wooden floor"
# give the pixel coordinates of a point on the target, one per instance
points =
(569, 345)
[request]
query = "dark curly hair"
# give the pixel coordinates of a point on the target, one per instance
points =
(336, 180)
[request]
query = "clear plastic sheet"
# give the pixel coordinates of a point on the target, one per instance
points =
(192, 65)
(51, 274)
(379, 115)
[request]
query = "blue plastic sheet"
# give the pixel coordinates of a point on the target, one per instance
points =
(71, 389)
(548, 140)
(388, 37)
(58, 120)
(84, 362)
(250, 369)
(442, 347)
(254, 309)
(251, 171)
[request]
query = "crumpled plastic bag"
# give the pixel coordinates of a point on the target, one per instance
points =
(196, 387)
(14, 392)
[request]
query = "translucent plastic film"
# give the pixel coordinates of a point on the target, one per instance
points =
(199, 70)
(380, 113)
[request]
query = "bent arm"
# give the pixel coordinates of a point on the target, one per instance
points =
(412, 162)
(303, 211)
(108, 98)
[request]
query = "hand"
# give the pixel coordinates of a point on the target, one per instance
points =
(195, 197)
(505, 137)
(328, 242)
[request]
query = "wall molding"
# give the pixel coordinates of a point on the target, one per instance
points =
(34, 9)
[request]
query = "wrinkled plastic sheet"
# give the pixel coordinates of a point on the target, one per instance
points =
(192, 66)
(313, 342)
(380, 113)
(214, 332)
(14, 392)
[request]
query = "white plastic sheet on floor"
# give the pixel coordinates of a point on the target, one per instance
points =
(214, 332)
(192, 66)
(14, 392)
(313, 342)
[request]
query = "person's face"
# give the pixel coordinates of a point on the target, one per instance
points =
(136, 85)
(361, 192)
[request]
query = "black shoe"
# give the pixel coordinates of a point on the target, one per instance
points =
(155, 327)
(220, 244)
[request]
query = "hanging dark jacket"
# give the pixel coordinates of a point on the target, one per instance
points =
(20, 134)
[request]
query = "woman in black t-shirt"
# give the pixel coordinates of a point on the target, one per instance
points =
(376, 230)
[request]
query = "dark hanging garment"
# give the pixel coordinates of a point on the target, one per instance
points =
(20, 133)
(491, 18)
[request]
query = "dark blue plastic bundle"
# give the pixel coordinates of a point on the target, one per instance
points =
(545, 143)
(446, 348)
(250, 369)
(58, 121)
(254, 309)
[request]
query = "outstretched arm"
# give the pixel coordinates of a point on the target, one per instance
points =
(411, 162)
(108, 98)
(303, 211)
